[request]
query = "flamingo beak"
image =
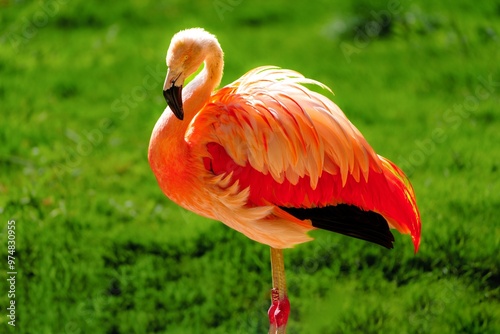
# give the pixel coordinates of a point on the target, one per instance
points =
(173, 94)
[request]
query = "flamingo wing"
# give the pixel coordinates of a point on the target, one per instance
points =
(295, 150)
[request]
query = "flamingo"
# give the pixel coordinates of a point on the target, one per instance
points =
(271, 159)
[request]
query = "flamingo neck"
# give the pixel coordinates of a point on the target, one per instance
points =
(167, 143)
(198, 91)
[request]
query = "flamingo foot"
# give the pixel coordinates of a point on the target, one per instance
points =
(278, 313)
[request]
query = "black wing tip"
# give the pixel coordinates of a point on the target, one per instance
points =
(348, 220)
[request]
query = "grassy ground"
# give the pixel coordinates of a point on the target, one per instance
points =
(99, 249)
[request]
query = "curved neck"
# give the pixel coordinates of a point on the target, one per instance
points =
(198, 91)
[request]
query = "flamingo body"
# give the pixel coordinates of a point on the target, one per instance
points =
(265, 143)
(271, 159)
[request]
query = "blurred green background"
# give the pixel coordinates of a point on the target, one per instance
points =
(101, 250)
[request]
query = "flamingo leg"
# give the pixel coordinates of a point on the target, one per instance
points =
(280, 307)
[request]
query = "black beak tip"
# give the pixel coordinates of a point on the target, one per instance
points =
(173, 96)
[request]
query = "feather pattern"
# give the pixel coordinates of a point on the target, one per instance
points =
(305, 133)
(293, 147)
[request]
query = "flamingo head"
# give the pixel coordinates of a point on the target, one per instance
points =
(185, 54)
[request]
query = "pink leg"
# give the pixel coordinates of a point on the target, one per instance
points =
(280, 307)
(278, 313)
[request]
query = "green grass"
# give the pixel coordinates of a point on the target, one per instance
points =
(101, 250)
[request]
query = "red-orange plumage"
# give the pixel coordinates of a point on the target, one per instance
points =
(273, 143)
(383, 192)
(265, 143)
